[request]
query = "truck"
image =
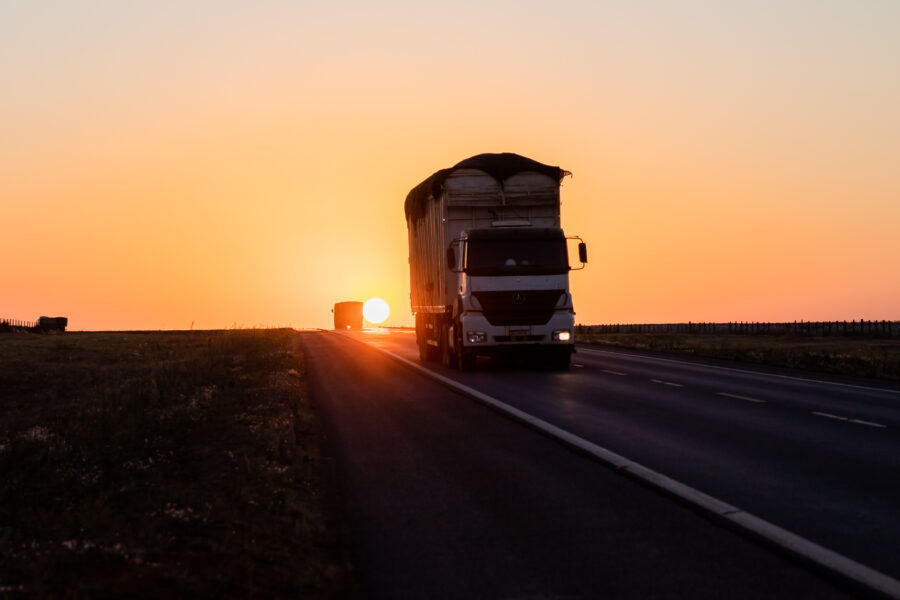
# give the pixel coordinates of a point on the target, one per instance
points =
(488, 263)
(47, 324)
(348, 315)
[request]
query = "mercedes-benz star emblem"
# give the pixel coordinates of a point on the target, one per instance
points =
(519, 298)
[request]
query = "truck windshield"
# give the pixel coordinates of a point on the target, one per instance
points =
(517, 257)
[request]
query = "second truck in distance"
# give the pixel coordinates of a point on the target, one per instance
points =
(488, 261)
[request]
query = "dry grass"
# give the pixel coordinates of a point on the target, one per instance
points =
(860, 357)
(161, 464)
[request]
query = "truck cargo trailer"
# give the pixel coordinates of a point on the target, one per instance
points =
(488, 261)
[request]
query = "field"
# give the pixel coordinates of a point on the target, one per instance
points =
(863, 357)
(161, 464)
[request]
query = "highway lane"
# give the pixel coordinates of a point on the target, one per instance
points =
(817, 457)
(445, 499)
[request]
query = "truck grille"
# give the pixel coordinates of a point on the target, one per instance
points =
(519, 338)
(519, 307)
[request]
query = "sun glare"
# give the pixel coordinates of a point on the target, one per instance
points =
(376, 310)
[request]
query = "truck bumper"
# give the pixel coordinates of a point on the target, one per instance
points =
(480, 337)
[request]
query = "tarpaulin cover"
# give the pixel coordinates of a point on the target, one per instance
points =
(499, 166)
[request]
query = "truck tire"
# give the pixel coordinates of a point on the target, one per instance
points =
(427, 352)
(420, 337)
(448, 357)
(465, 360)
(423, 348)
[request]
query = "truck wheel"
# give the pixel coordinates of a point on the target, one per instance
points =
(423, 348)
(448, 357)
(420, 338)
(465, 361)
(427, 352)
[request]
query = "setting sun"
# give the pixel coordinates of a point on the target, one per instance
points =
(376, 310)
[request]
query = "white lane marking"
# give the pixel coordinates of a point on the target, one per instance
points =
(830, 416)
(761, 373)
(747, 398)
(849, 420)
(745, 521)
(579, 366)
(614, 372)
(666, 383)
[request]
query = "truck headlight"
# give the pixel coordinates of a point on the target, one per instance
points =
(476, 337)
(562, 335)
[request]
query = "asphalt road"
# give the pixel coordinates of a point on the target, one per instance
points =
(446, 499)
(819, 457)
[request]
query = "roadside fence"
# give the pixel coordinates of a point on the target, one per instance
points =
(17, 325)
(861, 328)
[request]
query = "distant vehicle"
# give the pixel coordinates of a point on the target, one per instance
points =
(52, 323)
(348, 315)
(488, 261)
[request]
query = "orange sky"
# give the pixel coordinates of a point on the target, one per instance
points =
(233, 165)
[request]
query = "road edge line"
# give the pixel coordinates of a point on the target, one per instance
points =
(857, 575)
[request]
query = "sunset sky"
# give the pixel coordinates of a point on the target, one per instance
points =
(219, 164)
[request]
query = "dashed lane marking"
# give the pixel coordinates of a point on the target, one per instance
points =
(829, 416)
(619, 373)
(869, 423)
(747, 398)
(670, 383)
(849, 420)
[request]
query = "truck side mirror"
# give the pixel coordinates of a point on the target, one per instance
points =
(451, 259)
(582, 252)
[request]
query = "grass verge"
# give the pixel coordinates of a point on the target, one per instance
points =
(161, 464)
(878, 358)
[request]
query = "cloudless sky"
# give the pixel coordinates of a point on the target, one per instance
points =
(164, 164)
